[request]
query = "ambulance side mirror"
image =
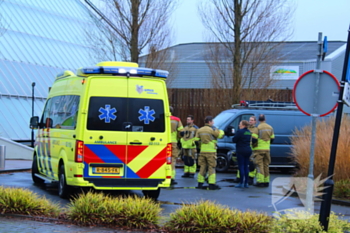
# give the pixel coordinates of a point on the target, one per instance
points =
(34, 122)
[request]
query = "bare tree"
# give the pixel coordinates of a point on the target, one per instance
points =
(140, 26)
(246, 34)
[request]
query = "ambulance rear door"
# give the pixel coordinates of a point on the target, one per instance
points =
(148, 132)
(105, 138)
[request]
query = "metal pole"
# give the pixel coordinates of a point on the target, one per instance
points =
(327, 196)
(32, 139)
(2, 157)
(310, 180)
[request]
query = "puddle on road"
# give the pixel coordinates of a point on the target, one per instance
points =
(173, 203)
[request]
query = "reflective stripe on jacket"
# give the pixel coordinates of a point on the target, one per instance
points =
(265, 134)
(187, 141)
(207, 135)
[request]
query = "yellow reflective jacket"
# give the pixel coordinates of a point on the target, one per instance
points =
(255, 131)
(187, 141)
(265, 134)
(208, 135)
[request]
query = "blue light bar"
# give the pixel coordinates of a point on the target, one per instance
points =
(91, 70)
(161, 73)
(133, 71)
(111, 70)
(145, 71)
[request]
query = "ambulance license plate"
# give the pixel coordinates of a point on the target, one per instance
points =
(110, 170)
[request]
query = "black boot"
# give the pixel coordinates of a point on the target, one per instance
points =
(185, 175)
(214, 187)
(266, 184)
(191, 175)
(251, 180)
(200, 186)
(173, 182)
(260, 185)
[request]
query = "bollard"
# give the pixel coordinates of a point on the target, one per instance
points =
(2, 157)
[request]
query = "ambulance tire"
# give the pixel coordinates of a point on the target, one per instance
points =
(152, 194)
(222, 163)
(35, 170)
(63, 189)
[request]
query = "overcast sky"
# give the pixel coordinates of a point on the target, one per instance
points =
(331, 17)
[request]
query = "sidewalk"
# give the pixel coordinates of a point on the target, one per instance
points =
(16, 165)
(26, 225)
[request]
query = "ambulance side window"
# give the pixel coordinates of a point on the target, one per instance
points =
(45, 119)
(70, 109)
(63, 112)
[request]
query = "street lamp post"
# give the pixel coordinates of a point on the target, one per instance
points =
(32, 141)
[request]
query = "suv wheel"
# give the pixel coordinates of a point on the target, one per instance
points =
(222, 163)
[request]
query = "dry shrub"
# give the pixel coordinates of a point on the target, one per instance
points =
(23, 201)
(207, 216)
(323, 141)
(304, 222)
(92, 209)
(342, 189)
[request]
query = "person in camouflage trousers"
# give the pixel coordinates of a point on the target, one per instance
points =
(207, 136)
(189, 149)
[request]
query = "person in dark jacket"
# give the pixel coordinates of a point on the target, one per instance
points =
(243, 139)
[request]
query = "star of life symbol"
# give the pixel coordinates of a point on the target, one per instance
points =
(107, 113)
(146, 115)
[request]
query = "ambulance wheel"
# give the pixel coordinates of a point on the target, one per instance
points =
(35, 170)
(222, 163)
(63, 188)
(152, 194)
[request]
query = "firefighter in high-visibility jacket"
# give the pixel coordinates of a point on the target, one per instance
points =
(207, 136)
(252, 170)
(189, 148)
(261, 153)
(176, 128)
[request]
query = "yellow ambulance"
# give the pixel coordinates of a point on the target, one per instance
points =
(106, 127)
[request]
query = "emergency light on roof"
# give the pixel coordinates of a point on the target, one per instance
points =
(122, 71)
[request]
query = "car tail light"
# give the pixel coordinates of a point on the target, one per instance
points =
(79, 151)
(168, 153)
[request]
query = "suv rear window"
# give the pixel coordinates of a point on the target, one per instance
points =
(126, 114)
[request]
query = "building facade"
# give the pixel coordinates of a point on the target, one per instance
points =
(38, 40)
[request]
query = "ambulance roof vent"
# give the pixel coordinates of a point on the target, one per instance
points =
(121, 68)
(64, 74)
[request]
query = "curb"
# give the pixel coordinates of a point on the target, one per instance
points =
(15, 170)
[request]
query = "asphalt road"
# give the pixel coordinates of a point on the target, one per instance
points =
(252, 198)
